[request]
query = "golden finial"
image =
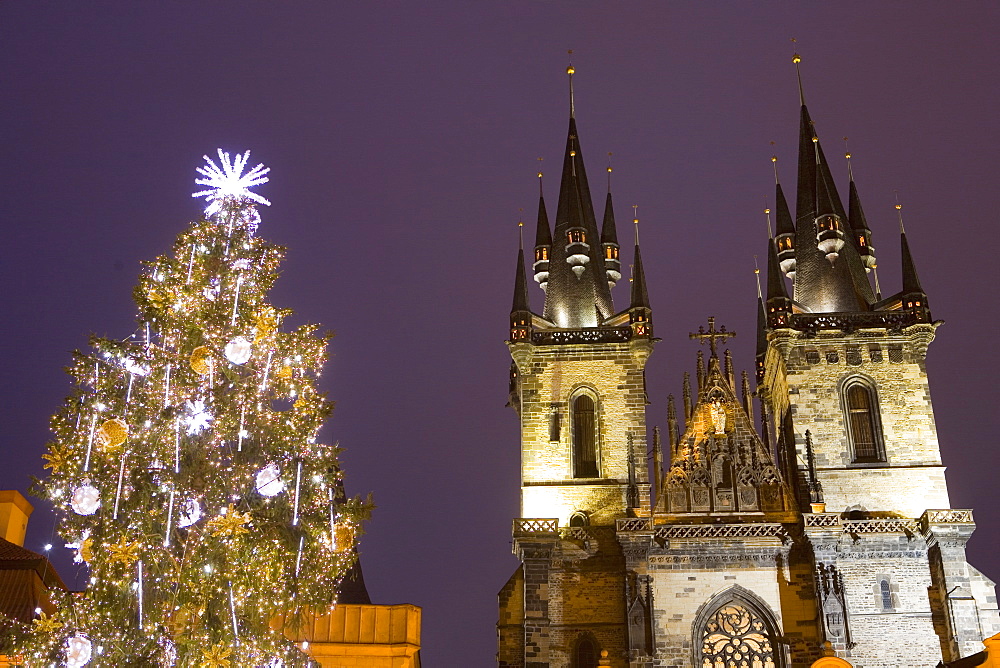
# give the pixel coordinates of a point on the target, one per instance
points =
(540, 176)
(609, 171)
(520, 228)
(796, 58)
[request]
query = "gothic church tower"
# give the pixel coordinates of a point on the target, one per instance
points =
(827, 532)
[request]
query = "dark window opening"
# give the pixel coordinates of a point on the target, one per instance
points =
(863, 424)
(585, 655)
(584, 438)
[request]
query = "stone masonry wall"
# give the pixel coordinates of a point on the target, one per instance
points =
(814, 372)
(549, 377)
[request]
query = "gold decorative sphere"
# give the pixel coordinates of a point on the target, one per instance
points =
(570, 70)
(796, 58)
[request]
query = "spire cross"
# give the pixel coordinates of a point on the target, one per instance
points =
(711, 335)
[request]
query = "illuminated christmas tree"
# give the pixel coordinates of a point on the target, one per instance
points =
(185, 468)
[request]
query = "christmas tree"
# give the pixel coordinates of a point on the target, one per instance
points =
(185, 468)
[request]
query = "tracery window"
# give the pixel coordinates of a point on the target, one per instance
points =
(735, 636)
(863, 426)
(584, 437)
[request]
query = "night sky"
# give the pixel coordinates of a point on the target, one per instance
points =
(403, 139)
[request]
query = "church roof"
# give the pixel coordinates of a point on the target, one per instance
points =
(577, 295)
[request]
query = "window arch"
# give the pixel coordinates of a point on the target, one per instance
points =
(736, 630)
(864, 427)
(585, 653)
(584, 436)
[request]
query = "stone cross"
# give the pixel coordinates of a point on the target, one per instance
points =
(712, 334)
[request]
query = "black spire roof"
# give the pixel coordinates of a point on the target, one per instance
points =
(856, 214)
(640, 297)
(782, 214)
(609, 235)
(574, 301)
(822, 287)
(543, 233)
(520, 285)
(911, 283)
(775, 281)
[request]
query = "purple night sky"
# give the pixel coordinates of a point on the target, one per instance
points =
(403, 140)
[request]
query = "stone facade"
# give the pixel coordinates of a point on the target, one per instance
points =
(825, 537)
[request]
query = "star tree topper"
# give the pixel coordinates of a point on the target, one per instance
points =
(228, 182)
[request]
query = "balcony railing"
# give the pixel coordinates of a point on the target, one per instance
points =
(554, 337)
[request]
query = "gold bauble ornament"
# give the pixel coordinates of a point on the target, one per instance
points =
(343, 537)
(284, 372)
(112, 433)
(201, 360)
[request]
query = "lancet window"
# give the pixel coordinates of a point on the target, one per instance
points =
(863, 426)
(584, 437)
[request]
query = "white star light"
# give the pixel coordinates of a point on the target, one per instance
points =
(229, 181)
(199, 417)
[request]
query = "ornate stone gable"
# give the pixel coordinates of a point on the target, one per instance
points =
(720, 465)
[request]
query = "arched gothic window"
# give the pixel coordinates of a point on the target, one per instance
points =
(863, 425)
(737, 635)
(584, 437)
(585, 654)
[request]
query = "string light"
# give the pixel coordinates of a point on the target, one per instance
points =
(197, 535)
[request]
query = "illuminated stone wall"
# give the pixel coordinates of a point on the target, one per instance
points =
(806, 376)
(549, 377)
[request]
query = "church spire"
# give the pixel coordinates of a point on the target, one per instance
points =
(829, 274)
(778, 306)
(785, 236)
(913, 297)
(862, 235)
(577, 295)
(609, 238)
(520, 311)
(543, 240)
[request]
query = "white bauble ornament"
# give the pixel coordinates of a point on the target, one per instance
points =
(78, 651)
(198, 418)
(269, 482)
(85, 501)
(238, 350)
(190, 513)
